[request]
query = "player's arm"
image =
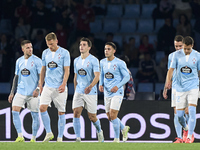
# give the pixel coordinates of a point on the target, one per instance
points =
(13, 89)
(42, 75)
(94, 82)
(101, 78)
(37, 90)
(126, 78)
(168, 82)
(75, 81)
(65, 79)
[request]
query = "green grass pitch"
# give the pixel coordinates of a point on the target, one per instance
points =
(97, 146)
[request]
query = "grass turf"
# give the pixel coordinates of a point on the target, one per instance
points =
(97, 146)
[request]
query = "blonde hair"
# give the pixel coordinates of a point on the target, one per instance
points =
(51, 36)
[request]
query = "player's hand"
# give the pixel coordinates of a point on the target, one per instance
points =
(10, 98)
(101, 88)
(88, 89)
(36, 93)
(114, 89)
(61, 89)
(41, 88)
(165, 93)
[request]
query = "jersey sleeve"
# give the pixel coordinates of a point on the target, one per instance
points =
(198, 62)
(38, 65)
(173, 61)
(101, 74)
(43, 58)
(17, 67)
(95, 64)
(75, 70)
(125, 74)
(67, 59)
(169, 61)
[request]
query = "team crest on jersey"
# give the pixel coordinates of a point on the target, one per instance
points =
(193, 60)
(115, 66)
(59, 56)
(25, 72)
(88, 63)
(52, 65)
(32, 63)
(186, 70)
(82, 72)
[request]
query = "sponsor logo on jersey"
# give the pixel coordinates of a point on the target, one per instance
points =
(109, 76)
(82, 72)
(25, 72)
(186, 70)
(52, 65)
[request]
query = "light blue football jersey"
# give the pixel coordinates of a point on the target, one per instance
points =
(55, 66)
(28, 74)
(113, 73)
(187, 70)
(174, 72)
(85, 68)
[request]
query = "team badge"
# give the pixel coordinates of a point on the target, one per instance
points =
(59, 56)
(115, 66)
(193, 60)
(32, 63)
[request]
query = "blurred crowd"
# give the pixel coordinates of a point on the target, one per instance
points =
(70, 20)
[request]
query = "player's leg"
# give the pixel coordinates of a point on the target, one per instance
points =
(60, 101)
(115, 105)
(17, 104)
(177, 125)
(192, 101)
(44, 103)
(186, 115)
(33, 106)
(77, 107)
(91, 106)
(181, 104)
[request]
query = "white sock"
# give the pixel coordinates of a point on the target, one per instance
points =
(20, 135)
(33, 138)
(189, 136)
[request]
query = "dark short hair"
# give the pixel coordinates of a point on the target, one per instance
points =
(25, 42)
(86, 40)
(179, 38)
(188, 40)
(112, 44)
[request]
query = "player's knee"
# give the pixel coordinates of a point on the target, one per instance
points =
(43, 108)
(113, 116)
(77, 113)
(92, 118)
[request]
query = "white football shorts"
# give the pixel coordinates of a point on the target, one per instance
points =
(51, 94)
(85, 100)
(112, 103)
(32, 102)
(185, 98)
(173, 98)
